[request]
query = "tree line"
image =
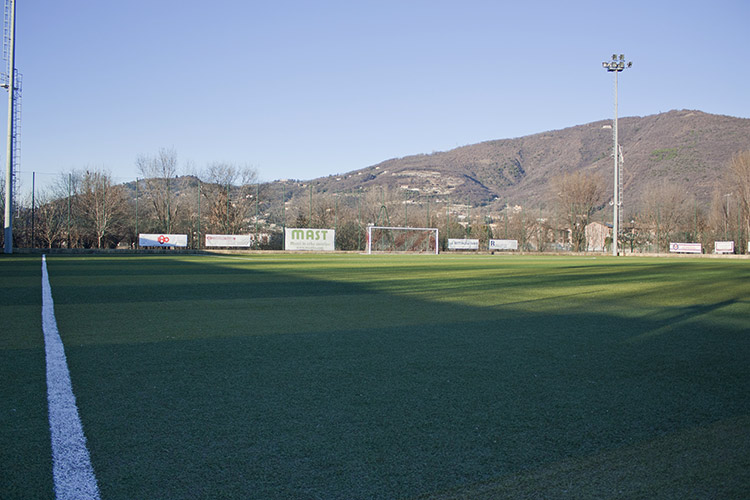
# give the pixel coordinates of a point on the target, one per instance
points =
(86, 209)
(666, 212)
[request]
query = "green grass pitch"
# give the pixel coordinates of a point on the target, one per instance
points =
(351, 376)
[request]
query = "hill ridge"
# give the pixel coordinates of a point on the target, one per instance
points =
(687, 147)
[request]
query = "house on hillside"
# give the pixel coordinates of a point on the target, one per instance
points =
(598, 237)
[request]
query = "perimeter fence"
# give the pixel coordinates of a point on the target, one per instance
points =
(92, 212)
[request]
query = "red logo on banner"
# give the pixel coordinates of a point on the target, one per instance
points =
(162, 239)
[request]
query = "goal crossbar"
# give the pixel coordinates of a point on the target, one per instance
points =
(401, 228)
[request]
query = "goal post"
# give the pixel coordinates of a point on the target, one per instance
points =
(402, 239)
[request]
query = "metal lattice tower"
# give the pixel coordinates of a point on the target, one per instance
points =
(17, 89)
(16, 128)
(6, 30)
(10, 79)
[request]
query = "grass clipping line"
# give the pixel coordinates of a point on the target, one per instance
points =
(71, 465)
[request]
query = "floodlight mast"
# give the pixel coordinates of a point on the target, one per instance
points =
(8, 225)
(616, 65)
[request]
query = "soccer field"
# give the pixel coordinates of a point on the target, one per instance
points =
(353, 376)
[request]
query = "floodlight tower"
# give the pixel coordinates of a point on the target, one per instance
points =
(10, 84)
(616, 65)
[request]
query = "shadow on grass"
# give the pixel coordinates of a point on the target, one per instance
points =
(289, 384)
(686, 464)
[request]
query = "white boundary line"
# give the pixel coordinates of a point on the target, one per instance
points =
(71, 465)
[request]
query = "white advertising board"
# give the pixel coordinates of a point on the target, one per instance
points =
(229, 240)
(724, 246)
(503, 244)
(463, 244)
(317, 240)
(685, 248)
(162, 240)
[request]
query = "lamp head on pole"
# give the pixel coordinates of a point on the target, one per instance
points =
(617, 63)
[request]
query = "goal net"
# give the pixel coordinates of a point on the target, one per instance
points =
(402, 239)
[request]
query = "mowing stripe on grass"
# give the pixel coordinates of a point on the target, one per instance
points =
(71, 465)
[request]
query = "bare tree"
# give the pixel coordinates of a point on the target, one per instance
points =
(729, 214)
(668, 210)
(228, 194)
(101, 207)
(379, 206)
(350, 228)
(65, 190)
(739, 174)
(577, 196)
(159, 172)
(51, 218)
(516, 225)
(719, 217)
(324, 211)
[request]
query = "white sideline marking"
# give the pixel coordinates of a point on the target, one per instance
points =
(71, 465)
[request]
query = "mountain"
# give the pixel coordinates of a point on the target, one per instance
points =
(690, 148)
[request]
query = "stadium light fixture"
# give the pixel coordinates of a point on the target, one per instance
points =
(616, 65)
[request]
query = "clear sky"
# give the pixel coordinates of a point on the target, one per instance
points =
(302, 89)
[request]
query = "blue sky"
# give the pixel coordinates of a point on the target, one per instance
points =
(302, 89)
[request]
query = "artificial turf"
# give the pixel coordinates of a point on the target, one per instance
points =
(350, 376)
(25, 450)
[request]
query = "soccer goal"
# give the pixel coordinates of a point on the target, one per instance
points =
(402, 239)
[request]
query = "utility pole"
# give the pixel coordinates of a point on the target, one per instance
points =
(726, 219)
(136, 213)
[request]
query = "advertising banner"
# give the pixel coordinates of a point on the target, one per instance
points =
(685, 248)
(724, 246)
(503, 244)
(162, 240)
(463, 244)
(317, 240)
(229, 240)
